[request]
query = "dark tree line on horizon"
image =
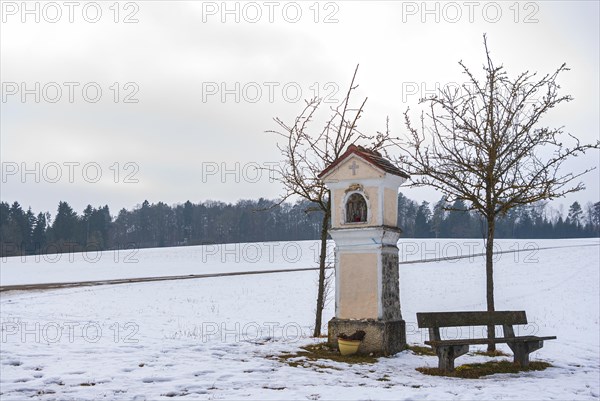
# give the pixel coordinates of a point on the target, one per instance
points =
(444, 220)
(24, 232)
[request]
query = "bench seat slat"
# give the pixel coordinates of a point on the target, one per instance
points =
(457, 319)
(475, 341)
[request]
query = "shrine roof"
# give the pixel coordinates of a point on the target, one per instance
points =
(370, 156)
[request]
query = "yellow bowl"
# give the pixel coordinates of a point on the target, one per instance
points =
(348, 347)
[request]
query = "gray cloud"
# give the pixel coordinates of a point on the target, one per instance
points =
(176, 130)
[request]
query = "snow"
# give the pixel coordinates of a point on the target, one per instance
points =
(221, 258)
(157, 262)
(214, 338)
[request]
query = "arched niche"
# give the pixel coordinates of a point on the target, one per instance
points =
(356, 208)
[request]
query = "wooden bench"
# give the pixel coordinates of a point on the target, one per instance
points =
(448, 350)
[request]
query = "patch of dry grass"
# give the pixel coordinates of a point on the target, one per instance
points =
(477, 370)
(491, 353)
(420, 350)
(314, 355)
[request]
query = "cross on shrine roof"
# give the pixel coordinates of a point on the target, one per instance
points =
(370, 156)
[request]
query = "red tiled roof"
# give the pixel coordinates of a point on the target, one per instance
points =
(371, 156)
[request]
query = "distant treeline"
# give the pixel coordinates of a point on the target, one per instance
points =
(160, 225)
(445, 220)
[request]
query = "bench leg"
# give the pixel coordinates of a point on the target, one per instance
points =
(434, 334)
(447, 354)
(521, 351)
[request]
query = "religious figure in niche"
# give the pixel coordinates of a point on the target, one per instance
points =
(356, 209)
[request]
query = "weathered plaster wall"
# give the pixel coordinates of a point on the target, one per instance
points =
(390, 202)
(358, 292)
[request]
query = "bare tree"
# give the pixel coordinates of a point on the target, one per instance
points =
(306, 153)
(484, 143)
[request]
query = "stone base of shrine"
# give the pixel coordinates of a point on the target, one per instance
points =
(381, 337)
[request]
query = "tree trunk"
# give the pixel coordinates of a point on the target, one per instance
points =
(322, 259)
(489, 273)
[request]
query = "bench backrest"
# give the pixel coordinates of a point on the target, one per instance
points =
(455, 319)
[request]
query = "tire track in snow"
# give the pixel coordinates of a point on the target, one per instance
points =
(47, 286)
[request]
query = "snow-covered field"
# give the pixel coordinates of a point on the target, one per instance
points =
(213, 338)
(221, 258)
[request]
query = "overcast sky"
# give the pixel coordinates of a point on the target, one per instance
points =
(197, 84)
